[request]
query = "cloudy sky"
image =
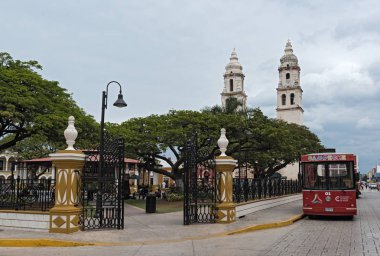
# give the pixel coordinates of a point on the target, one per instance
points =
(171, 54)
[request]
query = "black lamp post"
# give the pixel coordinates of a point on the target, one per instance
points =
(120, 103)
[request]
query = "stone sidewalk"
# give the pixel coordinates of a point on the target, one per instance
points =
(142, 228)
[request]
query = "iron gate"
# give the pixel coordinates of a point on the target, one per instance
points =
(199, 184)
(101, 198)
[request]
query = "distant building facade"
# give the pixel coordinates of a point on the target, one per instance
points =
(8, 164)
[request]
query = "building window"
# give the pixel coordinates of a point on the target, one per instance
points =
(1, 164)
(231, 85)
(292, 99)
(287, 75)
(283, 98)
(287, 66)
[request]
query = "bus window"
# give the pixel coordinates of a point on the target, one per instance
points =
(321, 170)
(321, 177)
(314, 176)
(341, 176)
(308, 175)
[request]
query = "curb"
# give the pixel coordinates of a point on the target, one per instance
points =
(268, 225)
(62, 243)
(41, 243)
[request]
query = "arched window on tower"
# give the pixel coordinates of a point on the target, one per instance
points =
(231, 85)
(287, 66)
(283, 99)
(292, 99)
(287, 75)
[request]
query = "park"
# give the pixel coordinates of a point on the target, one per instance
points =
(192, 128)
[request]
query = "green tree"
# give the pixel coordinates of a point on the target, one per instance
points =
(233, 106)
(273, 143)
(33, 106)
(270, 144)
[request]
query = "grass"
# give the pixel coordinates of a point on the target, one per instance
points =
(162, 206)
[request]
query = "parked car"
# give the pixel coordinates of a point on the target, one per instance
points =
(372, 185)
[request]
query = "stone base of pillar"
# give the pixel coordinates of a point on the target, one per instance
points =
(64, 220)
(226, 212)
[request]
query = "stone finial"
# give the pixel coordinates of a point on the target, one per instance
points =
(223, 142)
(70, 134)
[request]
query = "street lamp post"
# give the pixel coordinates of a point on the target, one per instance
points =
(120, 103)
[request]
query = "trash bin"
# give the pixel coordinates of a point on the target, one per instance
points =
(150, 203)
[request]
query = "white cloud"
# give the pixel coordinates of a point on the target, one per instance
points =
(365, 122)
(343, 82)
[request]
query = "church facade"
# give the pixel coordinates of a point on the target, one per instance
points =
(289, 93)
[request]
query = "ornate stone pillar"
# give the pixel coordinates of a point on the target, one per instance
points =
(225, 165)
(64, 216)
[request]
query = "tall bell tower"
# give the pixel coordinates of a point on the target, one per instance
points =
(289, 91)
(234, 82)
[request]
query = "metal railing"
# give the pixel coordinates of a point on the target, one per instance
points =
(246, 189)
(27, 194)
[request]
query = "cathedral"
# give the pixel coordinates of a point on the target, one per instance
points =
(289, 93)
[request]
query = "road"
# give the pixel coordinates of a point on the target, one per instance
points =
(308, 237)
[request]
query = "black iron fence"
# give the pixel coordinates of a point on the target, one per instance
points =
(102, 186)
(245, 189)
(27, 194)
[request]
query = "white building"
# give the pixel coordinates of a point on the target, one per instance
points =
(234, 82)
(289, 98)
(8, 165)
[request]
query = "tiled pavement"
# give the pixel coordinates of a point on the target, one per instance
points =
(336, 236)
(308, 237)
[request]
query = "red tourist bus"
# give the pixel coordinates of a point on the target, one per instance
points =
(329, 184)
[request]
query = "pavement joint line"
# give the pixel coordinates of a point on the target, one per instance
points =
(137, 208)
(63, 243)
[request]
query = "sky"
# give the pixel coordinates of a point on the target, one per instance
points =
(171, 54)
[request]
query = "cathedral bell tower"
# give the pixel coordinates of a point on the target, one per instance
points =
(289, 91)
(234, 82)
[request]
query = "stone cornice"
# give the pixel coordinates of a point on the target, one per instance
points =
(77, 156)
(220, 160)
(289, 88)
(280, 68)
(290, 108)
(233, 74)
(233, 93)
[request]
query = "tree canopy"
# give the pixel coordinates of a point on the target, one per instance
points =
(270, 143)
(32, 106)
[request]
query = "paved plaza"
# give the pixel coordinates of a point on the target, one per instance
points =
(321, 236)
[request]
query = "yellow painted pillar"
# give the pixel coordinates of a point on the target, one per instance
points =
(225, 165)
(226, 208)
(64, 216)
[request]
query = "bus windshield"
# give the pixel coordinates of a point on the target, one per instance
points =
(328, 175)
